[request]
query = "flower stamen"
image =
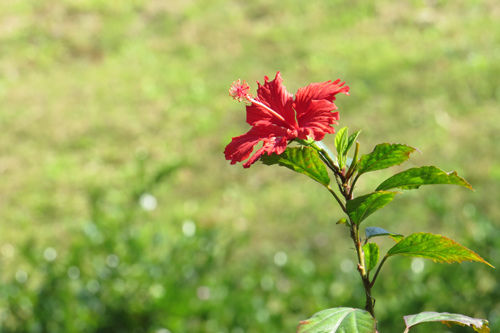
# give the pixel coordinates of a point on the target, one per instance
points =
(239, 91)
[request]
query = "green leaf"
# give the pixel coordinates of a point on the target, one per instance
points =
(449, 319)
(342, 221)
(376, 231)
(427, 175)
(304, 160)
(344, 142)
(361, 207)
(435, 247)
(397, 237)
(341, 145)
(384, 156)
(351, 140)
(372, 254)
(341, 139)
(341, 320)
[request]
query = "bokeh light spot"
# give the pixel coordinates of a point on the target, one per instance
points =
(280, 258)
(7, 250)
(188, 228)
(73, 272)
(112, 260)
(203, 293)
(417, 265)
(21, 276)
(148, 202)
(50, 254)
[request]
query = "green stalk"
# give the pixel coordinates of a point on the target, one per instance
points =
(342, 181)
(341, 204)
(378, 270)
(354, 162)
(369, 306)
(325, 157)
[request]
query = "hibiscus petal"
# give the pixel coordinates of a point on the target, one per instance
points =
(240, 148)
(273, 95)
(314, 106)
(320, 90)
(317, 127)
(274, 145)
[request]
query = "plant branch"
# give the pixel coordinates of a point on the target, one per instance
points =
(342, 205)
(353, 184)
(362, 269)
(378, 270)
(343, 178)
(354, 162)
(325, 157)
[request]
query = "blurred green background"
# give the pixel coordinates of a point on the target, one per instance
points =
(119, 212)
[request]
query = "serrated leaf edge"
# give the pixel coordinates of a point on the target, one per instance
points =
(409, 254)
(416, 186)
(373, 202)
(484, 324)
(391, 144)
(283, 158)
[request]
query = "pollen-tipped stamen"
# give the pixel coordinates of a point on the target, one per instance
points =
(239, 91)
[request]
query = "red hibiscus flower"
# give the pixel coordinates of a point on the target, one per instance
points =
(276, 118)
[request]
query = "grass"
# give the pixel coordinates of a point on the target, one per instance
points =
(97, 99)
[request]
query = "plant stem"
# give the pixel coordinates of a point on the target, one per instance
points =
(362, 269)
(353, 183)
(325, 157)
(378, 270)
(342, 205)
(354, 162)
(343, 178)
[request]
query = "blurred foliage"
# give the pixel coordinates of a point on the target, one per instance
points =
(120, 214)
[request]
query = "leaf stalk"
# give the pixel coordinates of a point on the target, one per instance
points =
(378, 270)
